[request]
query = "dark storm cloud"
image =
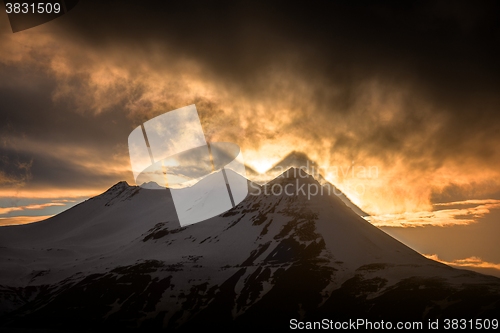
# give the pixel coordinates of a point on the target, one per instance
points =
(49, 146)
(445, 52)
(411, 86)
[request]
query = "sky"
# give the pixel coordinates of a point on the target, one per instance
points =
(407, 90)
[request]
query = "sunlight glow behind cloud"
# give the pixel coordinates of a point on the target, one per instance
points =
(6, 210)
(17, 220)
(440, 217)
(372, 120)
(471, 262)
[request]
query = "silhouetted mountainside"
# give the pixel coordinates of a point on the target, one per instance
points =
(300, 160)
(121, 261)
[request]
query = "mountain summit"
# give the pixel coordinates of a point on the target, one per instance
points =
(300, 160)
(120, 260)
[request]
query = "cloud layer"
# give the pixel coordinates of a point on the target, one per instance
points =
(411, 89)
(469, 263)
(457, 215)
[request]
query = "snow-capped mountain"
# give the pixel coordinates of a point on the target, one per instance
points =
(121, 260)
(300, 160)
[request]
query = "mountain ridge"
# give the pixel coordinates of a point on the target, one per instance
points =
(121, 260)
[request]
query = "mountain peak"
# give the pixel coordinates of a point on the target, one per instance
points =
(292, 173)
(310, 175)
(279, 248)
(297, 154)
(118, 188)
(120, 185)
(152, 186)
(296, 159)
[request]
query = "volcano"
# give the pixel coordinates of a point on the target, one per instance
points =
(120, 260)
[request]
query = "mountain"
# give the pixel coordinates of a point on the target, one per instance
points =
(121, 261)
(300, 160)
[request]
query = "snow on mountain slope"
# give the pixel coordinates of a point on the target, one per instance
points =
(121, 260)
(100, 225)
(299, 160)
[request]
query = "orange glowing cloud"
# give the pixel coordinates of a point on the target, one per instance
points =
(440, 218)
(6, 210)
(17, 220)
(286, 111)
(471, 262)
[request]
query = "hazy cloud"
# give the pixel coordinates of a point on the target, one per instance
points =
(471, 262)
(7, 210)
(16, 220)
(438, 217)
